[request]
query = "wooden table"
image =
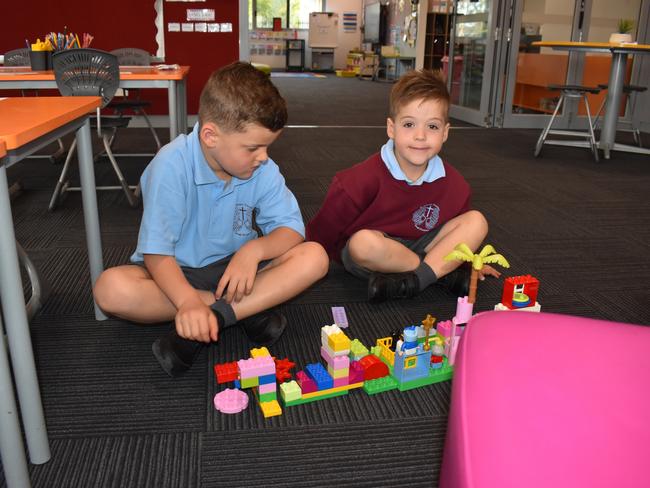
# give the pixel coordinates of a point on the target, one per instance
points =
(23, 78)
(26, 125)
(619, 53)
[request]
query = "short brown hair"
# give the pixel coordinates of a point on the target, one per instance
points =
(422, 84)
(237, 95)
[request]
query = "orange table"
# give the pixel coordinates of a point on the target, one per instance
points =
(26, 125)
(616, 81)
(174, 80)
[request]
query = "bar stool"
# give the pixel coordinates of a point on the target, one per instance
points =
(631, 92)
(573, 92)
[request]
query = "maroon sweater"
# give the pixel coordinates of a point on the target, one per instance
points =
(366, 196)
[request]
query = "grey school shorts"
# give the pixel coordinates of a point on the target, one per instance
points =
(417, 246)
(207, 277)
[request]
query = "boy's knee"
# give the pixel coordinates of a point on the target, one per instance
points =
(110, 290)
(363, 245)
(477, 221)
(316, 255)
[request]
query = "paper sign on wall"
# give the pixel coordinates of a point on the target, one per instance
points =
(200, 14)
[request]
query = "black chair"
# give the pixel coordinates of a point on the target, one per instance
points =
(631, 91)
(130, 56)
(90, 72)
(20, 57)
(570, 92)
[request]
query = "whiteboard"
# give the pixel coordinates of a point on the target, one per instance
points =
(323, 29)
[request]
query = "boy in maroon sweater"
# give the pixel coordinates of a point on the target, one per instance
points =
(393, 218)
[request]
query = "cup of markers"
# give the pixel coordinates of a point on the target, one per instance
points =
(40, 56)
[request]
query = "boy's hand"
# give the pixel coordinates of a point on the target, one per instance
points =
(240, 274)
(195, 321)
(488, 270)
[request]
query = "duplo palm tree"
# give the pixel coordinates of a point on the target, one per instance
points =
(462, 252)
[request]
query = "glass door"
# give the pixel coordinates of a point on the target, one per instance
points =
(524, 99)
(471, 60)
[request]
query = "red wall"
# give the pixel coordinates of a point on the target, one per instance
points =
(130, 23)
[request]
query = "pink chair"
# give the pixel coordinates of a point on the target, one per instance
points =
(544, 400)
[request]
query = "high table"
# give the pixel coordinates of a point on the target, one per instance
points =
(616, 81)
(26, 125)
(174, 80)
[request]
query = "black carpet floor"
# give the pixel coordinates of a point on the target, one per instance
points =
(116, 420)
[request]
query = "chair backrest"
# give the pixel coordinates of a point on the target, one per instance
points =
(132, 56)
(17, 57)
(86, 72)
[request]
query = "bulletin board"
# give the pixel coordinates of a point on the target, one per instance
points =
(323, 29)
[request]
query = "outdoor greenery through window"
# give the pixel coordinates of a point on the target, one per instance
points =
(294, 13)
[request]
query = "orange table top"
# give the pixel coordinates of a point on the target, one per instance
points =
(3, 148)
(24, 119)
(594, 45)
(22, 73)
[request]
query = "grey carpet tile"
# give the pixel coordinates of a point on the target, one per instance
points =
(137, 461)
(100, 378)
(405, 452)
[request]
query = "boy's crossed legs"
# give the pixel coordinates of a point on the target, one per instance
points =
(400, 269)
(129, 292)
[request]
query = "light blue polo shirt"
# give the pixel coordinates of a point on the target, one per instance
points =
(435, 168)
(198, 218)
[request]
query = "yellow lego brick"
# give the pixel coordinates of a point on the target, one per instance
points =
(270, 409)
(290, 391)
(260, 352)
(318, 393)
(338, 342)
(338, 373)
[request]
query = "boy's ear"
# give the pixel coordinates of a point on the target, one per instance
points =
(210, 133)
(446, 133)
(390, 128)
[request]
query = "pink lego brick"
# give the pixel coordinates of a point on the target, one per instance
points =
(307, 385)
(444, 328)
(356, 372)
(336, 362)
(344, 381)
(267, 388)
(259, 366)
(231, 400)
(463, 310)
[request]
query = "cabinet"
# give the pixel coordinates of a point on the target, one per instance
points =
(437, 39)
(295, 54)
(322, 59)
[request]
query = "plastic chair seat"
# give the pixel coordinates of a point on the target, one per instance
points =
(575, 88)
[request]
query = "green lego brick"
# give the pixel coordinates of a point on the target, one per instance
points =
(250, 382)
(302, 401)
(267, 397)
(358, 350)
(379, 385)
(290, 391)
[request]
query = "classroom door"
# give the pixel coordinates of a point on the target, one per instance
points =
(470, 65)
(523, 98)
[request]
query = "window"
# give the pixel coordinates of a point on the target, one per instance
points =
(294, 13)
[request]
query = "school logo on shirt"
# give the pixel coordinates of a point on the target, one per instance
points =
(426, 217)
(242, 225)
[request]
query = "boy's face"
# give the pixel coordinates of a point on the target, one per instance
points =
(236, 153)
(419, 130)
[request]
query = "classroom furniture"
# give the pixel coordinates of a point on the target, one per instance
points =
(437, 36)
(173, 80)
(630, 91)
(26, 125)
(323, 40)
(619, 54)
(391, 67)
(570, 92)
(17, 57)
(131, 56)
(85, 72)
(543, 400)
(295, 56)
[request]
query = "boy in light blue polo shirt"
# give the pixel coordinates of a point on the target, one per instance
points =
(199, 258)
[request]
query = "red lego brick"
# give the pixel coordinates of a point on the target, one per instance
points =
(282, 369)
(226, 372)
(373, 367)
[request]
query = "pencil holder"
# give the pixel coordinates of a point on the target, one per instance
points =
(40, 60)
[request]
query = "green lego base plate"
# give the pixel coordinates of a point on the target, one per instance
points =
(302, 401)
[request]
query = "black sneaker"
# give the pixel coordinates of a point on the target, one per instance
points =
(176, 354)
(457, 282)
(385, 286)
(264, 328)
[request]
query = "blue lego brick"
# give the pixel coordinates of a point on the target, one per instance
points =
(267, 378)
(321, 377)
